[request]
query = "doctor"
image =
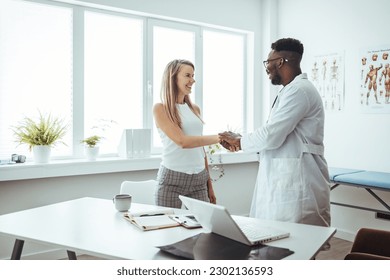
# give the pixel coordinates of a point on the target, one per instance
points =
(293, 181)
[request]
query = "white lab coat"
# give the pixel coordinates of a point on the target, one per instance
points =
(293, 180)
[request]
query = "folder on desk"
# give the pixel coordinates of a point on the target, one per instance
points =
(152, 220)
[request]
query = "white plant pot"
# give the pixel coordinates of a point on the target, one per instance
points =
(41, 154)
(91, 153)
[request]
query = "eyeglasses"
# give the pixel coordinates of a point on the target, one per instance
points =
(266, 62)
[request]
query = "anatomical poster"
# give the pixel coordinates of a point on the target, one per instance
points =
(327, 75)
(375, 80)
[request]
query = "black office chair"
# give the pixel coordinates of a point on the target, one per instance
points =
(370, 244)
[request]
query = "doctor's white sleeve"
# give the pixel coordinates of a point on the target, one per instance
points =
(292, 107)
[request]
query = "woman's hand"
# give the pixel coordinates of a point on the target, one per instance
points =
(210, 190)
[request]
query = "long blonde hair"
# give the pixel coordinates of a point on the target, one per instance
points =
(169, 91)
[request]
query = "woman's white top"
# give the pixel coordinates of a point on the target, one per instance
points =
(190, 161)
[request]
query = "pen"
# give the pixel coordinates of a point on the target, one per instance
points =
(148, 215)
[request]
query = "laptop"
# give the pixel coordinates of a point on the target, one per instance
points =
(217, 219)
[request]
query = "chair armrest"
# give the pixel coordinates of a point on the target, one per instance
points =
(364, 256)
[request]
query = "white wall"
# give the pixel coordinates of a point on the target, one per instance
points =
(352, 139)
(349, 25)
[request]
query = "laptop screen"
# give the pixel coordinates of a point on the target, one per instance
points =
(216, 219)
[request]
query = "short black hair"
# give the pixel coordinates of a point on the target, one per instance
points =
(288, 44)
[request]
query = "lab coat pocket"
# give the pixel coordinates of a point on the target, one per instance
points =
(285, 179)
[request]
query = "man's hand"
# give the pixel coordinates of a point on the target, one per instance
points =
(230, 140)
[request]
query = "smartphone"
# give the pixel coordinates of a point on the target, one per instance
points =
(186, 220)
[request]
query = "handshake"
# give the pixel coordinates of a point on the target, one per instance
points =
(230, 140)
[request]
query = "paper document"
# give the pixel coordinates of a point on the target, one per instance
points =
(151, 220)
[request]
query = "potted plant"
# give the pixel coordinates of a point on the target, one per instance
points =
(40, 135)
(91, 148)
(98, 132)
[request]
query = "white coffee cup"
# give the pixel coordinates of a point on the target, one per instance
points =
(122, 202)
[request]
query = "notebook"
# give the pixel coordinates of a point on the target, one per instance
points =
(217, 219)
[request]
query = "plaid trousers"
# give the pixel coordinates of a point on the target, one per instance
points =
(171, 184)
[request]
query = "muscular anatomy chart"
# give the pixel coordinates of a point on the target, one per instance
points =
(375, 80)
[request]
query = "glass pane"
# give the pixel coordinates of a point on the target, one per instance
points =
(169, 44)
(35, 69)
(113, 77)
(223, 82)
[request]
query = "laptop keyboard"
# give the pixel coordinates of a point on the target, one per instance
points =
(252, 232)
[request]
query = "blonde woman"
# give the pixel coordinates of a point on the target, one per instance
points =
(184, 167)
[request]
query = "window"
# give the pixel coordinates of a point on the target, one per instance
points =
(101, 71)
(169, 42)
(35, 68)
(223, 79)
(113, 77)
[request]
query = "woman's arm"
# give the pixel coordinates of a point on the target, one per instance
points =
(210, 190)
(174, 132)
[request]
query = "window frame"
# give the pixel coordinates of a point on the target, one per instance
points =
(149, 22)
(247, 113)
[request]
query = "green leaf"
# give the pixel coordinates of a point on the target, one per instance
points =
(47, 130)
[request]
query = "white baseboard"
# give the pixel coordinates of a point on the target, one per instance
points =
(346, 235)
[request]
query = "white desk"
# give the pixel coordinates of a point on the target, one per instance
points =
(93, 226)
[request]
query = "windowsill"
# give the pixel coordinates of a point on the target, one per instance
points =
(61, 168)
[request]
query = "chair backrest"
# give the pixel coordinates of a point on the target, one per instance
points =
(370, 244)
(141, 191)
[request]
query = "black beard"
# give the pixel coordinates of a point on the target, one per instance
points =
(276, 79)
